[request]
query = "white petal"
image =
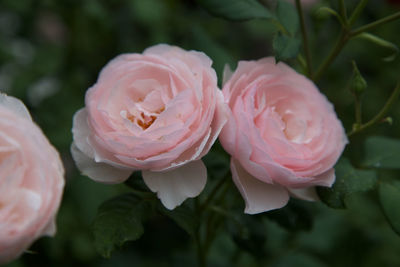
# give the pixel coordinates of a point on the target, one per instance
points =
(259, 196)
(308, 193)
(81, 131)
(100, 172)
(227, 74)
(175, 186)
(50, 229)
(326, 179)
(15, 105)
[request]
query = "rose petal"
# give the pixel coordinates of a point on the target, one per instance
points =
(220, 118)
(50, 229)
(227, 74)
(100, 172)
(259, 196)
(175, 186)
(326, 179)
(15, 105)
(81, 131)
(308, 193)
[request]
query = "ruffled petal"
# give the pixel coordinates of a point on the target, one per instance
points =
(15, 105)
(308, 193)
(175, 186)
(99, 172)
(259, 196)
(81, 132)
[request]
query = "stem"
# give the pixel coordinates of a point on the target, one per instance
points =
(357, 11)
(378, 117)
(357, 106)
(201, 256)
(213, 193)
(202, 247)
(305, 38)
(211, 230)
(375, 24)
(343, 11)
(340, 43)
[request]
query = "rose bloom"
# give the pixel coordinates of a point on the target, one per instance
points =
(31, 180)
(283, 135)
(158, 112)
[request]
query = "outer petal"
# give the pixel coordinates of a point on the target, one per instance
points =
(81, 131)
(100, 172)
(259, 196)
(307, 193)
(15, 105)
(175, 186)
(220, 118)
(227, 74)
(326, 179)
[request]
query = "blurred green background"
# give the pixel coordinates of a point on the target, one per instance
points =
(52, 51)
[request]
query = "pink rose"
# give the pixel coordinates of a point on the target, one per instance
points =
(31, 180)
(283, 135)
(158, 112)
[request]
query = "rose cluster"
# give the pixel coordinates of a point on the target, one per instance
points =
(161, 111)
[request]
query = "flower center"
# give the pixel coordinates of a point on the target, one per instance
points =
(144, 121)
(295, 129)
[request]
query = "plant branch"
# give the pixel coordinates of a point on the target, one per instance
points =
(357, 11)
(378, 117)
(213, 192)
(340, 43)
(305, 38)
(375, 24)
(343, 11)
(357, 107)
(201, 256)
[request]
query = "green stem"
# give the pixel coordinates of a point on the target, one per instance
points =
(202, 247)
(213, 193)
(375, 24)
(201, 256)
(343, 12)
(340, 43)
(357, 11)
(305, 38)
(357, 106)
(378, 117)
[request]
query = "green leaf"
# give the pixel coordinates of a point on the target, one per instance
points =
(389, 196)
(285, 47)
(184, 216)
(119, 220)
(248, 233)
(288, 17)
(236, 9)
(293, 217)
(348, 181)
(382, 152)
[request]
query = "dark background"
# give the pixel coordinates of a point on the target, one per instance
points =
(52, 51)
